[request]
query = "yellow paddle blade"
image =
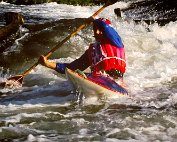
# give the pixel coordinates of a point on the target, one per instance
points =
(12, 82)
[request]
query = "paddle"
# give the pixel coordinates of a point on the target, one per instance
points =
(19, 78)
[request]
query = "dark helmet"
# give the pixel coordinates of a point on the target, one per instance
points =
(108, 31)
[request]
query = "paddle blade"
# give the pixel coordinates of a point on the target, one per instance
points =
(12, 82)
(18, 78)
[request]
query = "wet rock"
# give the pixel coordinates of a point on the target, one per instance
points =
(151, 11)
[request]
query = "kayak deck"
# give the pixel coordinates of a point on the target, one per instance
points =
(95, 85)
(107, 82)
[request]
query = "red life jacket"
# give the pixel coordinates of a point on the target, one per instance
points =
(105, 57)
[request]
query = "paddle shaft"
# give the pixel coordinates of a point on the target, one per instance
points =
(71, 35)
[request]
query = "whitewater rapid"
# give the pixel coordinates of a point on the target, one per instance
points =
(151, 78)
(150, 49)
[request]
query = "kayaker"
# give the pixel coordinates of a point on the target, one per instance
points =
(105, 56)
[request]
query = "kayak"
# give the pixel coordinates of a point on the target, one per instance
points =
(91, 85)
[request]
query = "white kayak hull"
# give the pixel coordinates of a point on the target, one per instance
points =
(91, 88)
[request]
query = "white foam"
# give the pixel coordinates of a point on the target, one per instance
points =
(150, 50)
(4, 3)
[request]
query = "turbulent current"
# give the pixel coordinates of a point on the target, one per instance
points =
(40, 110)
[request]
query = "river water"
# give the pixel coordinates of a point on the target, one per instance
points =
(40, 110)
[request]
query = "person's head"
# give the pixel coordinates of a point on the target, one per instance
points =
(98, 33)
(103, 30)
(98, 28)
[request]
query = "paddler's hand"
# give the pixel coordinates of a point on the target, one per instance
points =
(43, 60)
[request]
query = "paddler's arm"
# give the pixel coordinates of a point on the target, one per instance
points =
(59, 67)
(82, 63)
